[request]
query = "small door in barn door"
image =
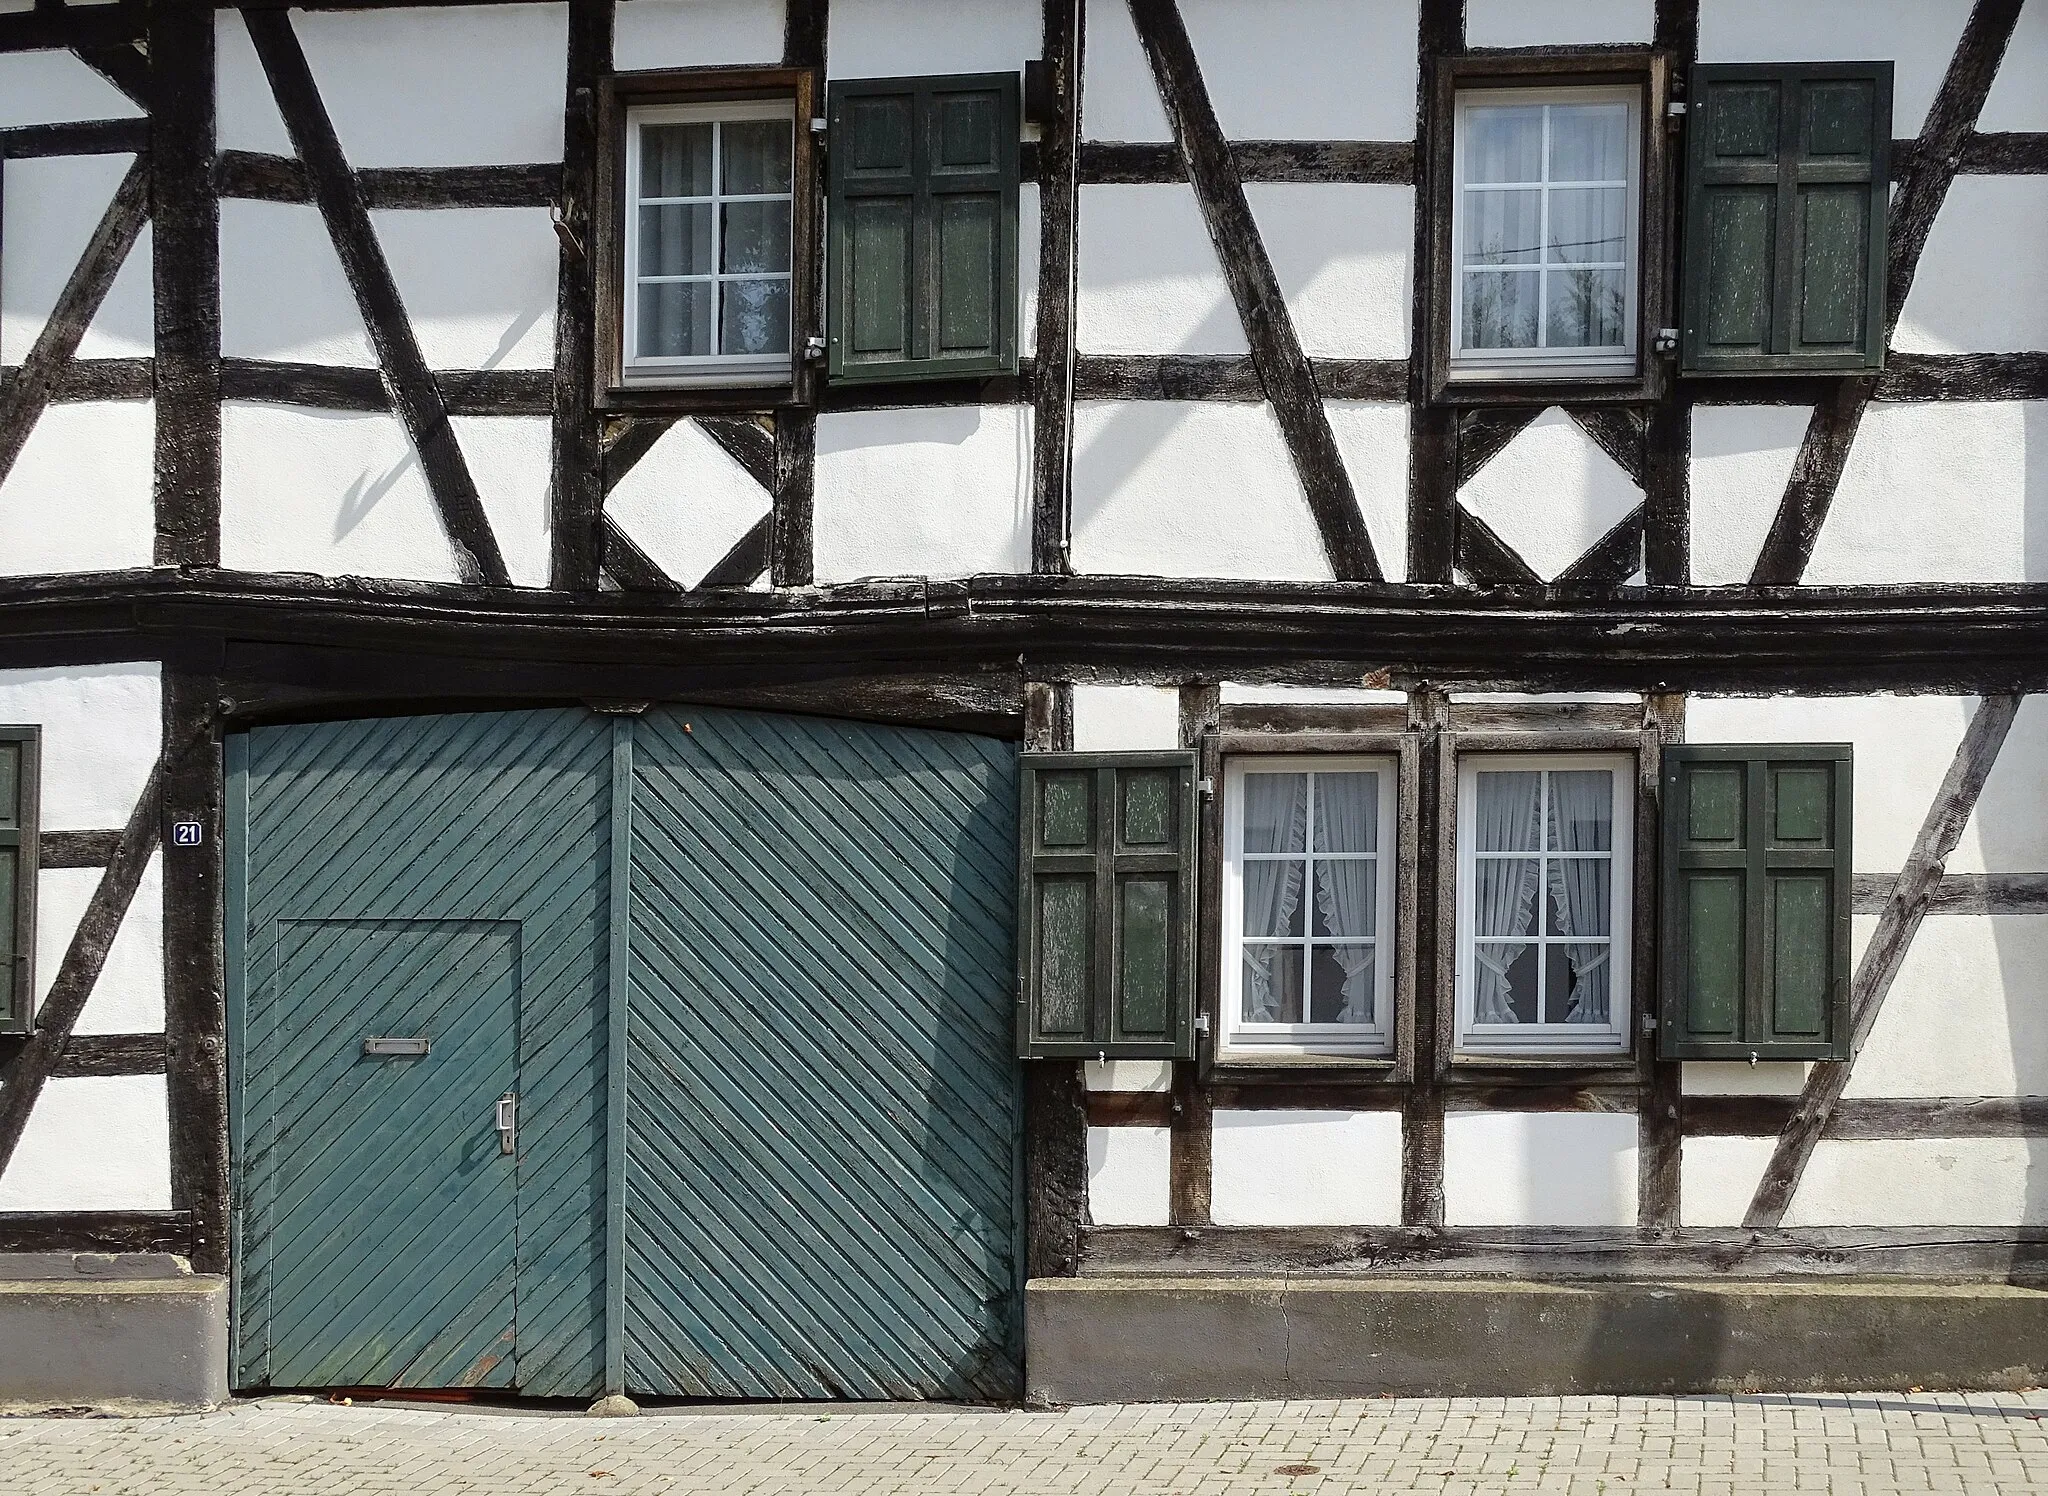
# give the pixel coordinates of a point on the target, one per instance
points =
(823, 1105)
(417, 941)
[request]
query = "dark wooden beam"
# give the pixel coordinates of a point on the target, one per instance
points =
(80, 27)
(1483, 435)
(93, 379)
(1433, 437)
(73, 849)
(1132, 1109)
(1487, 559)
(1964, 376)
(42, 370)
(1389, 162)
(111, 1054)
(796, 461)
(1816, 474)
(1886, 953)
(185, 265)
(96, 1231)
(747, 443)
(1284, 370)
(1202, 376)
(1053, 387)
(98, 137)
(632, 568)
(462, 392)
(415, 397)
(577, 487)
(1612, 559)
(2003, 154)
(747, 561)
(632, 444)
(1616, 430)
(283, 179)
(1955, 893)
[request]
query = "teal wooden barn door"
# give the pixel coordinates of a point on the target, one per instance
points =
(822, 1117)
(743, 985)
(435, 879)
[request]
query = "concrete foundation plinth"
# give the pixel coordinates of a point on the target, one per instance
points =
(140, 1333)
(1188, 1339)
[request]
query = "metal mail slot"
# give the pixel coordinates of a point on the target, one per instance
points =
(404, 1048)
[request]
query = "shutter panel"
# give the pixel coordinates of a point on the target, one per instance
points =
(18, 862)
(1105, 948)
(1787, 197)
(922, 269)
(1756, 885)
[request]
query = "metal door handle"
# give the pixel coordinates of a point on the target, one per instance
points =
(508, 1121)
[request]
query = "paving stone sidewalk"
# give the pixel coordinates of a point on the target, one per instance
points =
(1854, 1445)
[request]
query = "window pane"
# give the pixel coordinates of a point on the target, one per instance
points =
(756, 238)
(1344, 897)
(1347, 812)
(675, 320)
(755, 317)
(1272, 899)
(1275, 812)
(1504, 895)
(1500, 308)
(1504, 143)
(1588, 225)
(1340, 984)
(1587, 308)
(1588, 142)
(1582, 810)
(756, 157)
(1504, 983)
(1578, 983)
(675, 160)
(1509, 804)
(1580, 896)
(1503, 228)
(676, 239)
(1272, 984)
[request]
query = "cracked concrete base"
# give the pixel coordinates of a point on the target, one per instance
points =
(130, 1335)
(1192, 1339)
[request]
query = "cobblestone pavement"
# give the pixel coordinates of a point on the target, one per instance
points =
(1856, 1445)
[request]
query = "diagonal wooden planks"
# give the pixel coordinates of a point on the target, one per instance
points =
(1886, 952)
(49, 359)
(1276, 349)
(1923, 187)
(415, 395)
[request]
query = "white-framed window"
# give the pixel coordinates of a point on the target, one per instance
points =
(708, 251)
(1545, 230)
(1544, 845)
(1308, 903)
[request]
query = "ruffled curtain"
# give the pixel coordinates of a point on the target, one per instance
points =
(1504, 888)
(1275, 820)
(1582, 820)
(1347, 820)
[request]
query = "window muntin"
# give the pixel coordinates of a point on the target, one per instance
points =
(1543, 902)
(710, 206)
(1308, 903)
(1545, 232)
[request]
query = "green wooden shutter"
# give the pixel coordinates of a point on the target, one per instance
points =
(18, 783)
(1105, 948)
(922, 260)
(1756, 881)
(1787, 195)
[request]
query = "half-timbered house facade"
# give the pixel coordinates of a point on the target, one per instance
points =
(1076, 698)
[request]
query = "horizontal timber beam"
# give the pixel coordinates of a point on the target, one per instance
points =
(283, 179)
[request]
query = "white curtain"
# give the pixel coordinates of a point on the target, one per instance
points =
(1582, 820)
(1275, 820)
(1347, 820)
(1504, 888)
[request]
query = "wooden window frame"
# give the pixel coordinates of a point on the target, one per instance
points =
(1699, 364)
(1552, 1039)
(620, 94)
(25, 841)
(1347, 731)
(1238, 1040)
(1655, 271)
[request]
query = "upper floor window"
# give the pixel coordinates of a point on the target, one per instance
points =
(709, 267)
(1545, 232)
(1309, 903)
(1543, 902)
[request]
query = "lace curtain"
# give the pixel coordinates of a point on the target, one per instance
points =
(1581, 820)
(1503, 888)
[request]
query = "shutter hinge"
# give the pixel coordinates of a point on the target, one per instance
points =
(1201, 1023)
(818, 126)
(1205, 787)
(1649, 1022)
(814, 349)
(1666, 340)
(1675, 109)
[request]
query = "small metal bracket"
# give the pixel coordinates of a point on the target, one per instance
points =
(1201, 1023)
(1675, 109)
(814, 349)
(1205, 787)
(1649, 1023)
(818, 126)
(1666, 340)
(399, 1049)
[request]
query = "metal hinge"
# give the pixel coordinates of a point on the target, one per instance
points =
(1201, 1023)
(1674, 110)
(818, 127)
(1649, 1023)
(1205, 787)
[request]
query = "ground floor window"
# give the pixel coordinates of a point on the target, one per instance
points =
(1543, 902)
(1309, 903)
